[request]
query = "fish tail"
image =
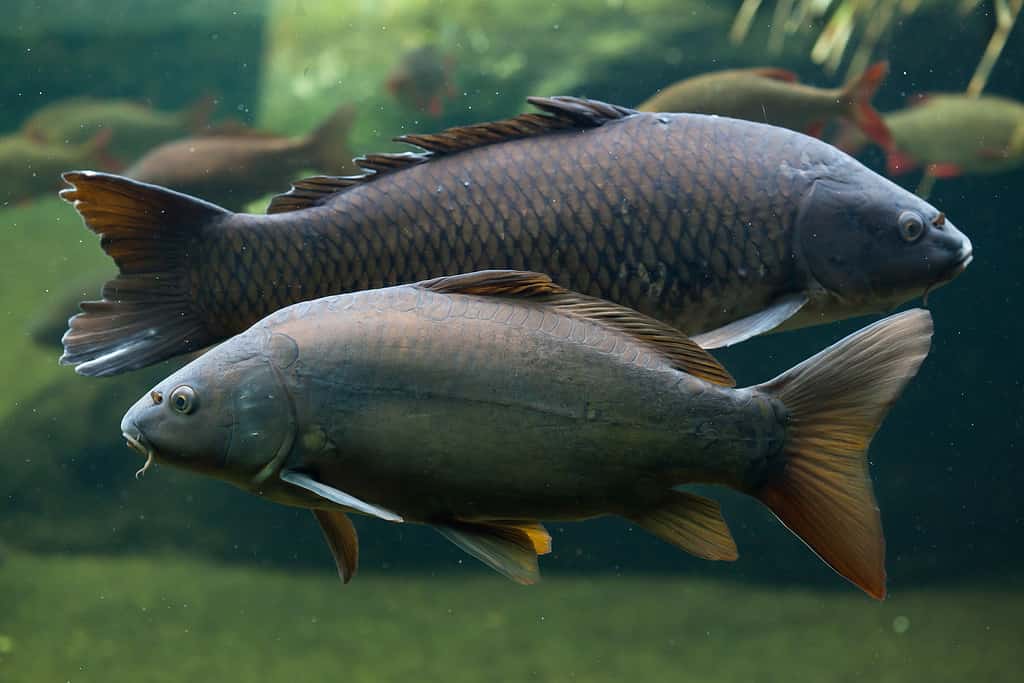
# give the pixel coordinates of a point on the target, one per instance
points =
(97, 149)
(821, 489)
(146, 314)
(859, 93)
(197, 116)
(329, 142)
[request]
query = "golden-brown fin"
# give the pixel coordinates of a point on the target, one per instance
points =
(341, 539)
(821, 487)
(509, 548)
(678, 349)
(560, 113)
(690, 522)
(146, 314)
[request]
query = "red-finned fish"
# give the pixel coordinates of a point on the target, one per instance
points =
(235, 169)
(424, 80)
(951, 134)
(775, 96)
(716, 226)
(484, 404)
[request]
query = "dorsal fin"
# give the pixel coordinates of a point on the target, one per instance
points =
(671, 344)
(560, 113)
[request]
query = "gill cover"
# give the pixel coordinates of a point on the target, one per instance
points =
(264, 428)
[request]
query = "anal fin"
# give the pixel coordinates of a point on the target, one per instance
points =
(763, 321)
(341, 539)
(692, 523)
(509, 548)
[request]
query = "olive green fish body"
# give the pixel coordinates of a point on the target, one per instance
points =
(503, 411)
(976, 135)
(484, 403)
(750, 94)
(136, 128)
(716, 226)
(30, 168)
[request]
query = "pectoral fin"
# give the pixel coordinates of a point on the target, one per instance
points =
(509, 549)
(342, 540)
(304, 481)
(690, 522)
(763, 321)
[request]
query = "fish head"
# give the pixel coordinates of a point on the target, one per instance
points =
(872, 245)
(226, 414)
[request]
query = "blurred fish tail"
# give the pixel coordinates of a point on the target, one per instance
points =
(858, 93)
(97, 149)
(821, 488)
(849, 138)
(329, 142)
(146, 314)
(197, 116)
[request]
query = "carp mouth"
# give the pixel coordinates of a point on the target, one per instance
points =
(137, 442)
(964, 258)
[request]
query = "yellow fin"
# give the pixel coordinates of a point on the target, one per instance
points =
(509, 548)
(690, 522)
(671, 344)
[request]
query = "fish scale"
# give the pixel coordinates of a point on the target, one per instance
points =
(694, 220)
(632, 240)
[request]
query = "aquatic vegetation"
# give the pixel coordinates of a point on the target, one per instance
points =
(166, 619)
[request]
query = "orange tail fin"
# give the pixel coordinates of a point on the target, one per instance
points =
(859, 92)
(821, 489)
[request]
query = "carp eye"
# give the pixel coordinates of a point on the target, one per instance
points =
(911, 226)
(183, 399)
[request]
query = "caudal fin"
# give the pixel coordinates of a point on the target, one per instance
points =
(837, 399)
(197, 116)
(859, 93)
(146, 313)
(330, 142)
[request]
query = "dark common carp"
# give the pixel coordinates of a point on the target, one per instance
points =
(774, 96)
(235, 169)
(135, 127)
(482, 404)
(715, 226)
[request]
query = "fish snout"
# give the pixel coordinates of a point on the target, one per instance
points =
(962, 258)
(134, 437)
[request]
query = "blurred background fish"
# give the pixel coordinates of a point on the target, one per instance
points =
(951, 134)
(135, 128)
(775, 96)
(30, 168)
(235, 168)
(424, 80)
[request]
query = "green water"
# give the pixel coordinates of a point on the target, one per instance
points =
(106, 578)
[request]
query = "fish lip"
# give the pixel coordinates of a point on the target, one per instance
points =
(136, 440)
(964, 258)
